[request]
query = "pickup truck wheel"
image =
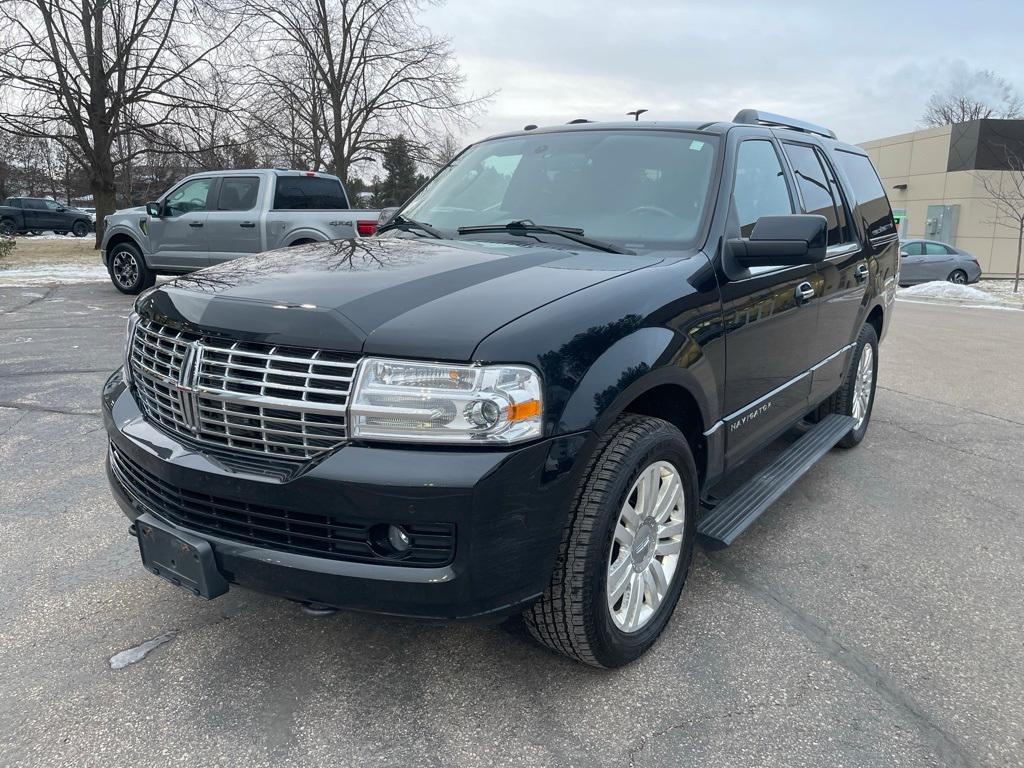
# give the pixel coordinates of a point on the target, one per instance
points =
(626, 547)
(128, 270)
(80, 229)
(7, 228)
(856, 397)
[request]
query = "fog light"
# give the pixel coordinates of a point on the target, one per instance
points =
(398, 538)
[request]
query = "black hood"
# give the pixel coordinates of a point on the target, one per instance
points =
(388, 296)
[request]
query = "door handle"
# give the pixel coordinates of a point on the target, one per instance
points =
(804, 292)
(248, 224)
(861, 273)
(196, 224)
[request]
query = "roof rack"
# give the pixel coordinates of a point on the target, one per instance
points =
(756, 117)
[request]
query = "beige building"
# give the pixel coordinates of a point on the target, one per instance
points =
(932, 179)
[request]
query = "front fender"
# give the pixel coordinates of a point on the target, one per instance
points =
(124, 229)
(647, 358)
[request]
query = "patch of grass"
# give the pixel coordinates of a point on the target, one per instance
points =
(31, 251)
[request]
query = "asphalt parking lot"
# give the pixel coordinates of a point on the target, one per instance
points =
(872, 618)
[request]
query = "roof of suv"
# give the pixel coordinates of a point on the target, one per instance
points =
(747, 118)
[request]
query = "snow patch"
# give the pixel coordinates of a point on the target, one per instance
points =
(139, 652)
(54, 273)
(48, 236)
(940, 289)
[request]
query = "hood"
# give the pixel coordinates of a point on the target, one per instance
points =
(387, 296)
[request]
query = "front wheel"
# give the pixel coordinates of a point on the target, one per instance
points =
(128, 270)
(626, 547)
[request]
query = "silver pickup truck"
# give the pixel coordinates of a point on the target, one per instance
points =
(211, 217)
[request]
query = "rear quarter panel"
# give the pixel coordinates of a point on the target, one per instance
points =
(285, 227)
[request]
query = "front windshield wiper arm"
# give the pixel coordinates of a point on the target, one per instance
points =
(527, 227)
(405, 223)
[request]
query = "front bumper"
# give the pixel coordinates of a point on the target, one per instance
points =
(508, 509)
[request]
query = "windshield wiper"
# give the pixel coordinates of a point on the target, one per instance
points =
(405, 224)
(526, 227)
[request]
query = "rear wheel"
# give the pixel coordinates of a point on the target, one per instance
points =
(958, 276)
(80, 229)
(7, 228)
(128, 270)
(856, 397)
(626, 547)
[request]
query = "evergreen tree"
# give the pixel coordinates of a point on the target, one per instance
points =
(401, 180)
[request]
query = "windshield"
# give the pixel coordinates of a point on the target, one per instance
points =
(641, 189)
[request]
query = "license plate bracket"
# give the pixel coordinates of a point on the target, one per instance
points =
(180, 558)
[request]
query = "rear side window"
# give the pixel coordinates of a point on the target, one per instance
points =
(760, 187)
(309, 193)
(818, 189)
(33, 205)
(238, 193)
(872, 203)
(936, 249)
(13, 202)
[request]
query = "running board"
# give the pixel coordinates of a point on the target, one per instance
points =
(735, 513)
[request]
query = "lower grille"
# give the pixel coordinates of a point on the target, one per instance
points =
(316, 534)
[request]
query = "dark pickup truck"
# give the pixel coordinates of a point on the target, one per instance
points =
(533, 393)
(41, 214)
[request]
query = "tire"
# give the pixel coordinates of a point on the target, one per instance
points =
(80, 229)
(957, 276)
(574, 615)
(127, 269)
(844, 400)
(8, 228)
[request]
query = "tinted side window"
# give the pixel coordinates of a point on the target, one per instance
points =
(913, 249)
(51, 204)
(817, 191)
(310, 193)
(935, 249)
(13, 202)
(34, 205)
(189, 197)
(760, 186)
(872, 204)
(238, 193)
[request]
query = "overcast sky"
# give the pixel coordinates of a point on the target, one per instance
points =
(862, 67)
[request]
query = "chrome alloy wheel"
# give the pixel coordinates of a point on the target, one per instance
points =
(646, 546)
(126, 269)
(862, 385)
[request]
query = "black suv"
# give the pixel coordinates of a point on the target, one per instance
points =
(40, 214)
(524, 397)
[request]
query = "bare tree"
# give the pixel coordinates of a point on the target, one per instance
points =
(1005, 190)
(972, 95)
(90, 73)
(367, 72)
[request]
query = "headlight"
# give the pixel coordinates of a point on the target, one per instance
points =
(129, 338)
(440, 403)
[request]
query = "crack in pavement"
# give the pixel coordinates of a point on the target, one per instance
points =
(959, 406)
(44, 409)
(26, 305)
(851, 660)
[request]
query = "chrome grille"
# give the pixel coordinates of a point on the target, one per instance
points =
(275, 401)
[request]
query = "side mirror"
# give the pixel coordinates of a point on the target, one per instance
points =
(153, 209)
(61, 209)
(386, 215)
(780, 241)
